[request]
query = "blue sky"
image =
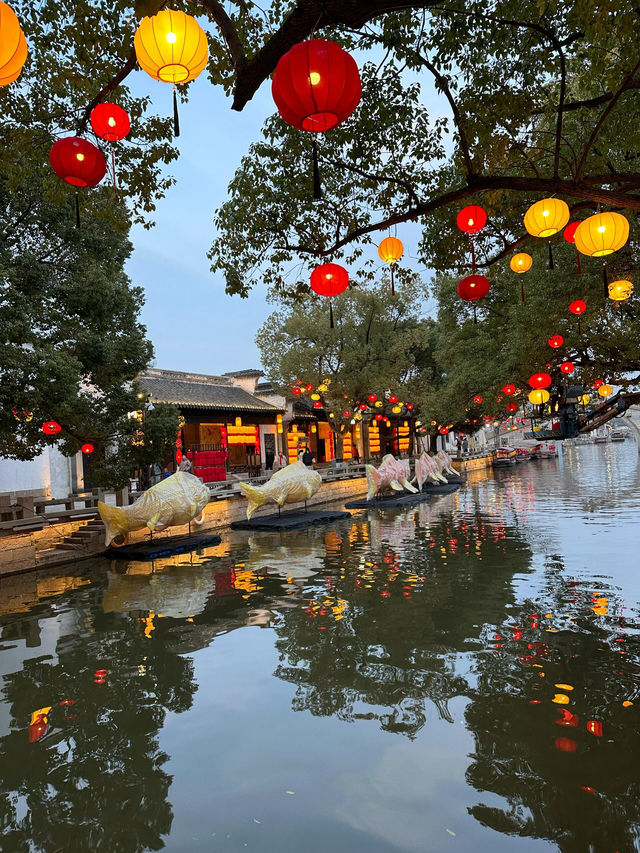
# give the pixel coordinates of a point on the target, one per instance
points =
(193, 324)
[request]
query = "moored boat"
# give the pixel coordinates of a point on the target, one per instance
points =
(618, 435)
(503, 457)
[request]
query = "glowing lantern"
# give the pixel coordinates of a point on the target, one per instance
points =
(316, 86)
(602, 234)
(77, 161)
(110, 122)
(372, 398)
(512, 407)
(297, 390)
(598, 383)
(329, 280)
(540, 380)
(379, 417)
(594, 727)
(521, 263)
(605, 390)
(317, 404)
(569, 235)
(87, 448)
(471, 219)
(578, 306)
(391, 250)
(51, 427)
(363, 407)
(315, 396)
(346, 413)
(308, 387)
(620, 290)
(546, 217)
(13, 46)
(393, 398)
(410, 406)
(396, 410)
(567, 367)
(322, 387)
(584, 399)
(566, 744)
(443, 430)
(473, 287)
(477, 399)
(555, 341)
(508, 389)
(379, 404)
(171, 47)
(538, 396)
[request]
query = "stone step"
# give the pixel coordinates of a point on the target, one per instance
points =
(46, 553)
(67, 546)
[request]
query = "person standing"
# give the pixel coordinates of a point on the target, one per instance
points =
(307, 457)
(186, 465)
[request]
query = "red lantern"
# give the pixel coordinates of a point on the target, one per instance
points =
(317, 404)
(329, 280)
(110, 122)
(51, 427)
(87, 448)
(540, 380)
(473, 287)
(77, 161)
(297, 390)
(594, 727)
(555, 341)
(363, 407)
(309, 387)
(471, 219)
(567, 367)
(477, 399)
(443, 430)
(316, 85)
(393, 398)
(379, 417)
(346, 413)
(372, 398)
(508, 389)
(578, 306)
(178, 456)
(512, 407)
(566, 744)
(598, 383)
(569, 232)
(409, 406)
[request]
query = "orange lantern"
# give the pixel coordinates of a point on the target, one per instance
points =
(546, 217)
(602, 234)
(521, 263)
(13, 46)
(391, 250)
(620, 290)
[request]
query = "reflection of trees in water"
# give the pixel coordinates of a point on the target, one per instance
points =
(94, 781)
(403, 616)
(559, 780)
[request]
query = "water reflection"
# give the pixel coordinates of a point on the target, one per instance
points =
(488, 620)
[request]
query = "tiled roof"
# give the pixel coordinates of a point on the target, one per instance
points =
(194, 391)
(239, 374)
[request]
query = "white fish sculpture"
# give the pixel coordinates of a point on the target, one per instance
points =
(445, 464)
(392, 473)
(426, 468)
(289, 485)
(175, 500)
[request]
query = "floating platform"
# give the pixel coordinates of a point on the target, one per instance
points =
(162, 546)
(294, 519)
(404, 499)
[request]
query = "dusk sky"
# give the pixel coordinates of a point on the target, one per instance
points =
(193, 324)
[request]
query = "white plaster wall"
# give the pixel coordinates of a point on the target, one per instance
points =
(267, 428)
(16, 476)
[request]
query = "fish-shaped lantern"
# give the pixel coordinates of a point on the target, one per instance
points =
(393, 473)
(445, 464)
(426, 468)
(178, 499)
(289, 485)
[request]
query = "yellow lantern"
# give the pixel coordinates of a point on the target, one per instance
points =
(539, 396)
(620, 290)
(315, 396)
(378, 404)
(605, 390)
(521, 262)
(583, 399)
(602, 234)
(546, 217)
(171, 47)
(13, 46)
(396, 410)
(322, 387)
(391, 250)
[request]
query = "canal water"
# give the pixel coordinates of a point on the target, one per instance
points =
(454, 676)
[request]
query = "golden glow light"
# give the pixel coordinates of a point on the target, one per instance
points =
(620, 290)
(602, 234)
(546, 217)
(171, 47)
(13, 46)
(521, 262)
(391, 250)
(605, 390)
(538, 396)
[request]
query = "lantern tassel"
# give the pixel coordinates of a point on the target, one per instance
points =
(475, 316)
(331, 326)
(317, 189)
(473, 255)
(522, 289)
(77, 210)
(113, 166)
(393, 290)
(550, 256)
(578, 261)
(176, 119)
(605, 282)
